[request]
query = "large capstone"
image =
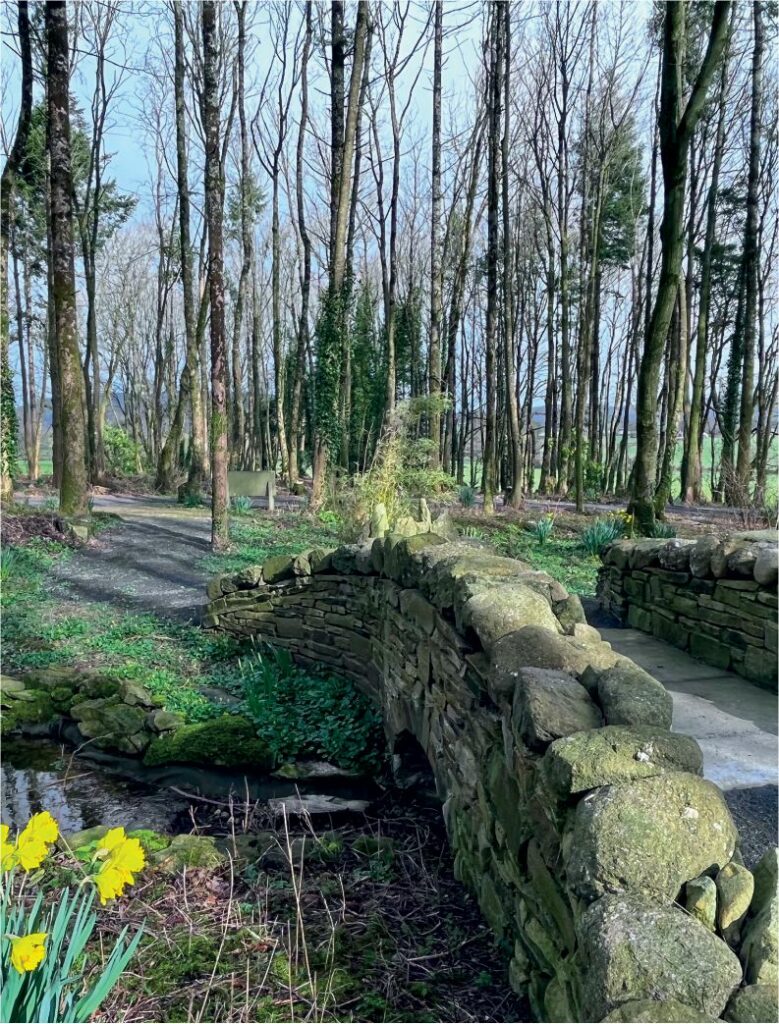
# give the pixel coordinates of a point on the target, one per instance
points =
(505, 608)
(649, 836)
(617, 753)
(634, 949)
(550, 704)
(630, 696)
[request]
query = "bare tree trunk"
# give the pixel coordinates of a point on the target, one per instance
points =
(691, 482)
(436, 273)
(495, 92)
(515, 457)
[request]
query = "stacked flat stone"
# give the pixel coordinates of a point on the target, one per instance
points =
(714, 598)
(574, 814)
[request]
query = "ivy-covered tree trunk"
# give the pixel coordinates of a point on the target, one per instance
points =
(691, 462)
(332, 318)
(214, 195)
(73, 480)
(675, 133)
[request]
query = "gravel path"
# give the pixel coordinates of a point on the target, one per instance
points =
(149, 563)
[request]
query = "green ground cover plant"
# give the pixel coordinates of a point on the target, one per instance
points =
(194, 673)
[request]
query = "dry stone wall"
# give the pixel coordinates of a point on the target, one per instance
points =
(714, 598)
(581, 823)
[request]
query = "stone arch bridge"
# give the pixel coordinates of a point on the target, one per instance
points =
(596, 850)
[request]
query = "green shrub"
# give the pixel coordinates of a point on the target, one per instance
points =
(399, 473)
(661, 529)
(473, 533)
(241, 505)
(123, 456)
(467, 495)
(190, 500)
(605, 530)
(301, 715)
(543, 529)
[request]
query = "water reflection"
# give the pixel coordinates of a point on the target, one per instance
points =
(43, 776)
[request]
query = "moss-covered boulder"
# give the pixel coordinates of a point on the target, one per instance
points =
(633, 949)
(112, 725)
(735, 886)
(27, 711)
(505, 608)
(700, 900)
(760, 933)
(550, 704)
(227, 742)
(649, 836)
(753, 1004)
(630, 696)
(187, 851)
(539, 647)
(655, 1011)
(615, 754)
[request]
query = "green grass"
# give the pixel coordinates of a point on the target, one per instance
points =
(563, 557)
(257, 538)
(45, 630)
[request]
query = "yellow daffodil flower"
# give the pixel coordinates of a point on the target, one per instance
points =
(113, 838)
(42, 828)
(6, 850)
(32, 843)
(30, 853)
(118, 869)
(28, 951)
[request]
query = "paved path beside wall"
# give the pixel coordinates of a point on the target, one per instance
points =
(735, 723)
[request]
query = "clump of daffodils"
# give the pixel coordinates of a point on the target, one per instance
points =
(31, 846)
(119, 859)
(43, 939)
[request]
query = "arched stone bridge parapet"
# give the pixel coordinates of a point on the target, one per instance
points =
(597, 852)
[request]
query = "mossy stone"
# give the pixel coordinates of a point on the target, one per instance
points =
(229, 741)
(700, 900)
(630, 696)
(735, 886)
(30, 710)
(656, 1011)
(539, 647)
(549, 704)
(278, 568)
(649, 836)
(112, 725)
(614, 754)
(504, 608)
(634, 949)
(753, 1004)
(186, 851)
